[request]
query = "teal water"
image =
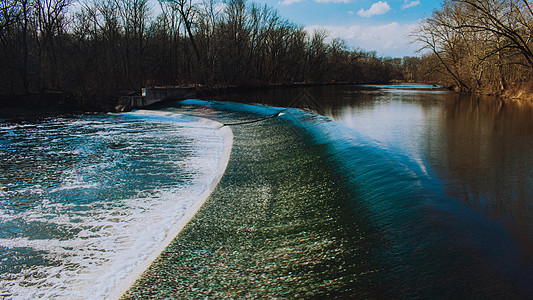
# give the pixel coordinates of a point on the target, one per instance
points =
(85, 198)
(472, 149)
(403, 191)
(315, 208)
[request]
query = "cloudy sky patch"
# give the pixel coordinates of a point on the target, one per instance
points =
(409, 4)
(333, 1)
(390, 39)
(380, 25)
(378, 8)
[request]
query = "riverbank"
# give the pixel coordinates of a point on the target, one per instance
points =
(522, 92)
(519, 92)
(52, 102)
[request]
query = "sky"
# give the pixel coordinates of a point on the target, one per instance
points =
(372, 25)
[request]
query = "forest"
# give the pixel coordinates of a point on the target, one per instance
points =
(111, 47)
(108, 47)
(481, 46)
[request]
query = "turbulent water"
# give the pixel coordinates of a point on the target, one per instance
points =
(85, 198)
(400, 191)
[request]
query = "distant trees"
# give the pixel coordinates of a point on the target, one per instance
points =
(479, 44)
(109, 46)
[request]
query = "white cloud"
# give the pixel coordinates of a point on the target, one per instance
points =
(289, 2)
(377, 8)
(413, 3)
(387, 40)
(334, 1)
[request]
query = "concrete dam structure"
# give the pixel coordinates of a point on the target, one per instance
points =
(154, 95)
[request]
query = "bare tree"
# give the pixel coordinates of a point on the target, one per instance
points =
(10, 11)
(51, 23)
(436, 35)
(187, 10)
(104, 47)
(509, 19)
(476, 41)
(134, 15)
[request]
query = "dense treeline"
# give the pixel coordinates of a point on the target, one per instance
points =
(478, 45)
(110, 46)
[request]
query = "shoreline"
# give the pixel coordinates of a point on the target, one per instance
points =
(523, 92)
(126, 283)
(57, 102)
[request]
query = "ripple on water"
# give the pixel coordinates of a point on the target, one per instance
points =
(84, 198)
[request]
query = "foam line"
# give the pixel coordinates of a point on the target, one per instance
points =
(127, 282)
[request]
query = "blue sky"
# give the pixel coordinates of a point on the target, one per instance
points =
(380, 25)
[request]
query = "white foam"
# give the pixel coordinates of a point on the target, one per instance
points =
(112, 247)
(135, 274)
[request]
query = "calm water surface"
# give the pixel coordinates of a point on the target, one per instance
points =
(478, 149)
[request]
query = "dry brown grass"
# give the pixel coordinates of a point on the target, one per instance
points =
(522, 92)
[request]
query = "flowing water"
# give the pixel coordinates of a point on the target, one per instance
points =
(398, 191)
(85, 199)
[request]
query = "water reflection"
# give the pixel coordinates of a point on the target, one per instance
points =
(487, 160)
(476, 149)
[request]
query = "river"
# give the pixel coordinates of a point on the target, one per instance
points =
(476, 148)
(394, 191)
